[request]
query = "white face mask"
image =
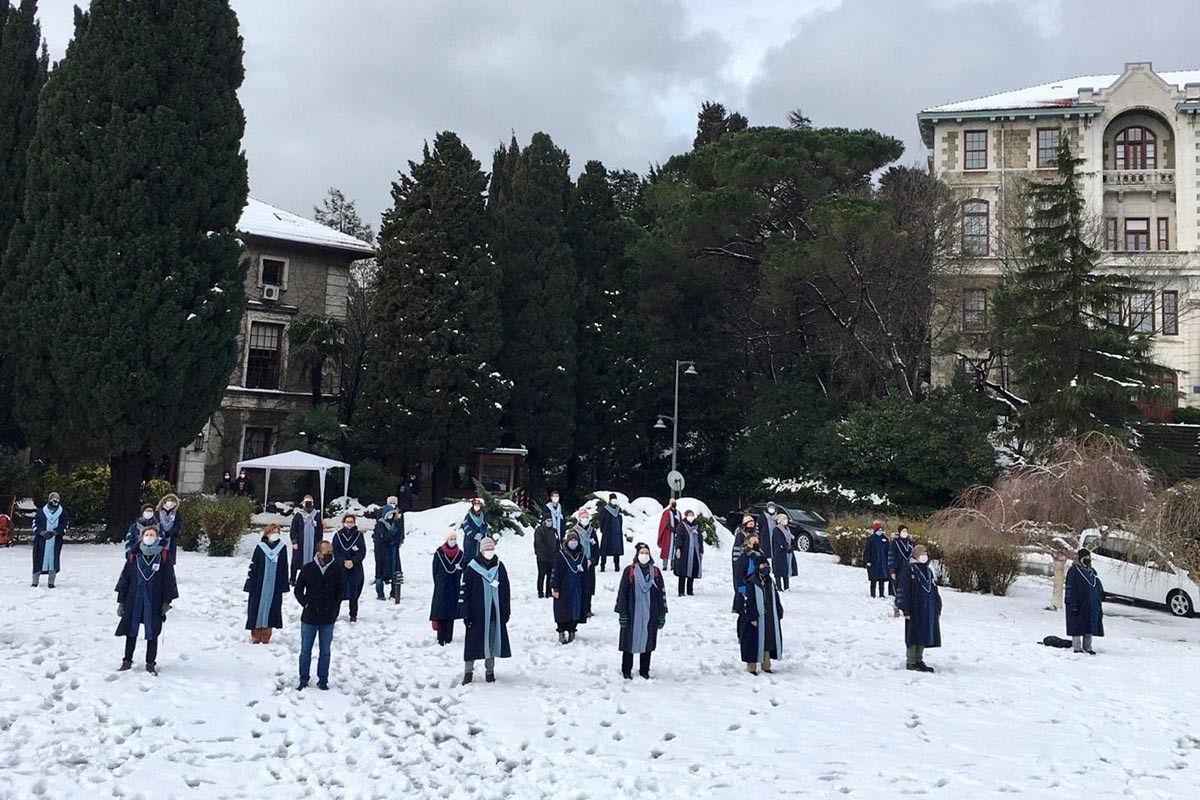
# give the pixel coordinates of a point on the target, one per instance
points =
(554, 498)
(150, 541)
(453, 543)
(574, 545)
(147, 515)
(614, 503)
(169, 505)
(690, 518)
(273, 538)
(643, 558)
(923, 559)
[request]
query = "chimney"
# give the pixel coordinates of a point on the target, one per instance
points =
(1191, 91)
(1085, 96)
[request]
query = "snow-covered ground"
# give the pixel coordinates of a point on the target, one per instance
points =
(840, 717)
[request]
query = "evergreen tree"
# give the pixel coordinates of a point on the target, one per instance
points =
(527, 206)
(1078, 370)
(341, 214)
(714, 121)
(434, 392)
(126, 274)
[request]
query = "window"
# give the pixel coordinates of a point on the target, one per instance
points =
(1136, 149)
(1164, 233)
(1047, 147)
(1141, 312)
(1110, 233)
(256, 443)
(975, 150)
(1137, 234)
(262, 361)
(1113, 315)
(1170, 314)
(975, 228)
(496, 475)
(974, 309)
(272, 272)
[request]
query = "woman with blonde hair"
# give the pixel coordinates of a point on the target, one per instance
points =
(266, 584)
(447, 579)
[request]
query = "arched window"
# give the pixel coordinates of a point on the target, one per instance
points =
(1137, 148)
(975, 228)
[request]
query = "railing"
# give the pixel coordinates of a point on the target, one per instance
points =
(1147, 178)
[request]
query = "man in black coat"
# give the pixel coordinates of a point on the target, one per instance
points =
(320, 589)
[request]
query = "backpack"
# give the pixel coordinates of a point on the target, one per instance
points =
(1056, 641)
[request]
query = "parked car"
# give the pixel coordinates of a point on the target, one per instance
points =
(1132, 569)
(810, 530)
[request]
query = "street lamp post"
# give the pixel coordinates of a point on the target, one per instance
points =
(691, 370)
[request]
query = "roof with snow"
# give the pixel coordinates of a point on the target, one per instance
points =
(261, 219)
(1059, 94)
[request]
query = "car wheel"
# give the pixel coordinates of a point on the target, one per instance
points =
(1179, 604)
(803, 543)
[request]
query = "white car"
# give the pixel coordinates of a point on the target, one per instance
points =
(1134, 570)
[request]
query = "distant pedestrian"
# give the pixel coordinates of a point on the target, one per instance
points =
(414, 492)
(484, 606)
(225, 486)
(689, 552)
(743, 532)
(320, 590)
(612, 530)
(546, 543)
(642, 609)
(447, 580)
(349, 549)
(568, 587)
(307, 531)
(134, 534)
(1084, 601)
(667, 523)
(145, 592)
(875, 558)
(50, 526)
(590, 546)
(555, 510)
(782, 554)
(918, 599)
(242, 487)
(170, 524)
(474, 528)
(760, 634)
(266, 584)
(386, 540)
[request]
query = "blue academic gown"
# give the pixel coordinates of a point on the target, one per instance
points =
(691, 547)
(1083, 598)
(627, 603)
(875, 552)
(472, 609)
(899, 553)
(759, 603)
(568, 577)
(351, 547)
(559, 515)
(55, 542)
(472, 535)
(169, 530)
(447, 580)
(146, 586)
(307, 549)
(612, 530)
(917, 596)
(387, 538)
(266, 584)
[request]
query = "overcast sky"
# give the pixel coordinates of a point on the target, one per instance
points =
(344, 92)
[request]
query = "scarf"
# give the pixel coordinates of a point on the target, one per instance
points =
(167, 518)
(556, 515)
(643, 582)
(764, 593)
(693, 551)
(143, 613)
(52, 516)
(616, 512)
(152, 550)
(585, 540)
(266, 594)
(492, 639)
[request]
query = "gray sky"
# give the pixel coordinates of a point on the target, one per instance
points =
(344, 92)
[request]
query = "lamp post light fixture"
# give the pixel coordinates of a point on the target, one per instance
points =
(661, 425)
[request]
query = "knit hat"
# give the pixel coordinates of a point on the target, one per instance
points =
(877, 525)
(487, 544)
(1083, 553)
(918, 551)
(476, 501)
(53, 496)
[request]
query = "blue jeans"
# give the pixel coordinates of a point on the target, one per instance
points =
(309, 633)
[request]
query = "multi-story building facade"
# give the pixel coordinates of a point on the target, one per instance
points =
(1138, 133)
(297, 267)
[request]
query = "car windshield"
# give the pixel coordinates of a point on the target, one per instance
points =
(810, 517)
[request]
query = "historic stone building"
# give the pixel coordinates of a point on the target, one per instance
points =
(297, 267)
(1137, 132)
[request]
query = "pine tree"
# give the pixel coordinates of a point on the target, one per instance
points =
(433, 391)
(341, 214)
(1078, 370)
(714, 121)
(126, 272)
(527, 205)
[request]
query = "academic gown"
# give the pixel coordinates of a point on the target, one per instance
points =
(559, 515)
(875, 552)
(447, 580)
(567, 578)
(666, 535)
(266, 584)
(1083, 598)
(170, 527)
(627, 604)
(761, 604)
(612, 529)
(473, 534)
(387, 540)
(40, 540)
(688, 564)
(351, 547)
(473, 609)
(781, 551)
(899, 552)
(917, 596)
(146, 586)
(307, 549)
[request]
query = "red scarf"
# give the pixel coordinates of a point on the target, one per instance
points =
(448, 552)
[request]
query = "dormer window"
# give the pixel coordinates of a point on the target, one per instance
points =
(1137, 148)
(273, 272)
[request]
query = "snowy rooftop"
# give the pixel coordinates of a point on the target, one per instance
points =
(1062, 93)
(261, 219)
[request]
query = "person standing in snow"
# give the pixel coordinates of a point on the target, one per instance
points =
(918, 599)
(689, 552)
(642, 611)
(266, 584)
(387, 538)
(50, 525)
(667, 524)
(474, 528)
(447, 580)
(226, 484)
(743, 532)
(320, 590)
(567, 580)
(307, 531)
(145, 592)
(484, 606)
(781, 552)
(555, 510)
(760, 634)
(169, 523)
(899, 552)
(242, 487)
(414, 492)
(1084, 601)
(766, 521)
(590, 546)
(349, 549)
(134, 534)
(875, 558)
(612, 530)
(546, 543)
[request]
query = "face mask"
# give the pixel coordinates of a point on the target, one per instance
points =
(771, 510)
(347, 526)
(325, 558)
(307, 506)
(690, 518)
(147, 515)
(1087, 562)
(903, 534)
(614, 504)
(453, 543)
(549, 523)
(643, 558)
(923, 560)
(226, 476)
(554, 498)
(490, 555)
(273, 538)
(242, 477)
(54, 504)
(149, 541)
(169, 506)
(574, 545)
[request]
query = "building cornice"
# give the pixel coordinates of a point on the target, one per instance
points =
(927, 119)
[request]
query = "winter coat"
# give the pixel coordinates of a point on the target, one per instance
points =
(320, 593)
(225, 486)
(666, 534)
(568, 578)
(170, 526)
(472, 609)
(243, 487)
(266, 584)
(781, 550)
(917, 596)
(626, 606)
(875, 556)
(612, 530)
(545, 544)
(144, 590)
(296, 533)
(760, 604)
(387, 539)
(350, 547)
(1083, 598)
(560, 524)
(473, 533)
(55, 541)
(447, 580)
(133, 536)
(899, 552)
(691, 549)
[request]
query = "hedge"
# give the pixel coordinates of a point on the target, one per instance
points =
(985, 568)
(84, 491)
(848, 536)
(222, 521)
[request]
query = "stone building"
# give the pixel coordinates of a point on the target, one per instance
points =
(1137, 132)
(297, 267)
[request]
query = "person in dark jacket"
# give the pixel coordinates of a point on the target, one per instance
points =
(242, 487)
(266, 584)
(349, 549)
(387, 538)
(169, 523)
(484, 606)
(642, 611)
(567, 587)
(447, 580)
(590, 546)
(875, 558)
(145, 592)
(474, 528)
(918, 599)
(781, 552)
(745, 530)
(134, 534)
(320, 590)
(899, 552)
(760, 635)
(308, 529)
(226, 484)
(546, 542)
(689, 552)
(1084, 599)
(555, 510)
(612, 534)
(50, 525)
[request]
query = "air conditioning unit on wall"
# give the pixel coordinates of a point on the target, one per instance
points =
(270, 293)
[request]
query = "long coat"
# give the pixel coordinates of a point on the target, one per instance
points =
(568, 578)
(447, 579)
(40, 540)
(170, 528)
(473, 534)
(560, 520)
(1083, 598)
(917, 596)
(688, 563)
(387, 540)
(781, 550)
(145, 588)
(898, 554)
(760, 603)
(875, 553)
(666, 534)
(612, 530)
(351, 547)
(472, 609)
(627, 605)
(297, 536)
(262, 569)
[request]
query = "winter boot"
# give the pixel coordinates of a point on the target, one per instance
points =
(626, 674)
(923, 667)
(570, 636)
(490, 677)
(562, 637)
(911, 667)
(467, 678)
(36, 578)
(150, 668)
(766, 663)
(125, 666)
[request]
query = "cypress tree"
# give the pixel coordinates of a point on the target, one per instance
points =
(527, 206)
(433, 391)
(126, 272)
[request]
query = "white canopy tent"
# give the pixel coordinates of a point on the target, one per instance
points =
(299, 461)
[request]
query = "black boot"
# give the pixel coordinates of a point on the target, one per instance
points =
(468, 677)
(570, 636)
(627, 675)
(126, 665)
(923, 667)
(490, 677)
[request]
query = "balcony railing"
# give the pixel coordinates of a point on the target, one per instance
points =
(1139, 178)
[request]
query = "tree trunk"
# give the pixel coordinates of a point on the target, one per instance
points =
(439, 479)
(536, 476)
(124, 494)
(572, 488)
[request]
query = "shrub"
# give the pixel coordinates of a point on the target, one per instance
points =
(84, 491)
(1171, 523)
(848, 536)
(14, 473)
(986, 568)
(369, 482)
(222, 520)
(708, 529)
